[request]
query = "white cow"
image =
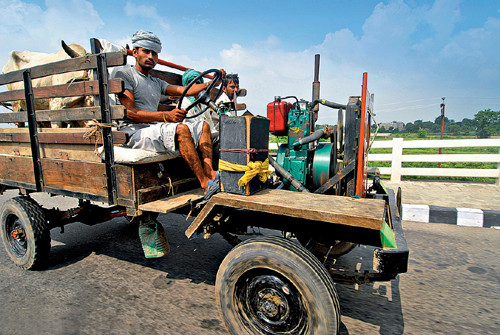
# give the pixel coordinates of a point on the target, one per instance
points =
(24, 59)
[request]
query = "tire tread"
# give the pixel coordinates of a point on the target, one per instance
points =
(302, 253)
(41, 231)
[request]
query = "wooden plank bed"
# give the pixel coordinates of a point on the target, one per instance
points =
(358, 212)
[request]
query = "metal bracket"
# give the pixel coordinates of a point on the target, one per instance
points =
(338, 177)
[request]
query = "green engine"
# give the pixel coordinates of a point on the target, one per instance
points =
(308, 161)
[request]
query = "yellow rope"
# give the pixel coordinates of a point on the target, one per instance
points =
(171, 187)
(251, 170)
(96, 130)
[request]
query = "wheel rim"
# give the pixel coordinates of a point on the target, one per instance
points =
(16, 236)
(268, 303)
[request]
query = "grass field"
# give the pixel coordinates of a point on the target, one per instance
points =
(431, 151)
(435, 151)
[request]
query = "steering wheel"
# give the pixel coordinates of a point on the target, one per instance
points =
(205, 97)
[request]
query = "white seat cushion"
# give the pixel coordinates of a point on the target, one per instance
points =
(124, 155)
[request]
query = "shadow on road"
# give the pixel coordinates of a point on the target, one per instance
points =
(196, 259)
(367, 302)
(374, 308)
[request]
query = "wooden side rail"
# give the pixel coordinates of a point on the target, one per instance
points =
(169, 77)
(66, 146)
(69, 65)
(66, 90)
(58, 136)
(65, 115)
(58, 143)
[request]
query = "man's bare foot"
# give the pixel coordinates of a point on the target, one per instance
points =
(204, 183)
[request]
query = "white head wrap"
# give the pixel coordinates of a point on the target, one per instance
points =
(146, 40)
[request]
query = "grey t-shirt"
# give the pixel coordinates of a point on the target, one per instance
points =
(147, 90)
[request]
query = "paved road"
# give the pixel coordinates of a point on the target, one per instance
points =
(98, 282)
(449, 194)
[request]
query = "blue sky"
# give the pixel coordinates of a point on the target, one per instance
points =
(415, 52)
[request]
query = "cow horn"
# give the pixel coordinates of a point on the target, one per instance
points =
(72, 53)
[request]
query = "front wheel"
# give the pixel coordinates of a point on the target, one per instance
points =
(271, 285)
(24, 232)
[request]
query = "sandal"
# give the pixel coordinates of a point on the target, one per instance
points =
(212, 187)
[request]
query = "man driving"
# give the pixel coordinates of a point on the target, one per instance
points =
(162, 131)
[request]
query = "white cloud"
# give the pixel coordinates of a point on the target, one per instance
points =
(443, 17)
(27, 26)
(410, 51)
(149, 12)
(474, 53)
(237, 57)
(272, 42)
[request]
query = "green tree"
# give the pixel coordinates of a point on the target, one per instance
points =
(454, 129)
(435, 128)
(487, 123)
(422, 133)
(411, 128)
(428, 125)
(438, 120)
(468, 123)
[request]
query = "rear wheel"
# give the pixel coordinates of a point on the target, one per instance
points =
(271, 285)
(24, 232)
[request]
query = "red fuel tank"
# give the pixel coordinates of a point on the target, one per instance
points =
(277, 112)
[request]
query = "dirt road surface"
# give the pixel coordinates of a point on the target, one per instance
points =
(98, 282)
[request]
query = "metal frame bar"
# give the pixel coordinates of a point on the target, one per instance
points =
(351, 141)
(95, 47)
(77, 195)
(17, 184)
(106, 131)
(361, 144)
(35, 145)
(101, 75)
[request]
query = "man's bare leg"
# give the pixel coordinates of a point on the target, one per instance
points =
(206, 151)
(188, 152)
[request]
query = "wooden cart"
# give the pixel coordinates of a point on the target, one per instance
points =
(265, 285)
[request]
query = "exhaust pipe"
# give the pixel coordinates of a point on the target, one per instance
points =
(315, 89)
(295, 183)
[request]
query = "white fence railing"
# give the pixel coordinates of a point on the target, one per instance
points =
(397, 158)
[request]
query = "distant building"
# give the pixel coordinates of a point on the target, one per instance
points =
(398, 125)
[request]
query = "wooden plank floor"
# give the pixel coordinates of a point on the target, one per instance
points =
(172, 203)
(366, 213)
(358, 212)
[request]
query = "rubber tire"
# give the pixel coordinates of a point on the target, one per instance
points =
(32, 219)
(290, 260)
